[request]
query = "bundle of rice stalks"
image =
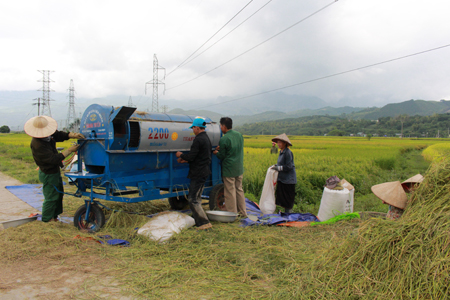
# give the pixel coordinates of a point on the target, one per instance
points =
(406, 258)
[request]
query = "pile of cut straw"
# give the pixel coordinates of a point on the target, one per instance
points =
(406, 258)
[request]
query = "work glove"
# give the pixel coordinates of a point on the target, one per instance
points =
(276, 168)
(75, 135)
(71, 149)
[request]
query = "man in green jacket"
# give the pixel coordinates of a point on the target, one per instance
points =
(231, 152)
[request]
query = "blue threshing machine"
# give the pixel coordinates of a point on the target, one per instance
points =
(129, 156)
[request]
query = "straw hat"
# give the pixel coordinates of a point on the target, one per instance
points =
(392, 193)
(282, 137)
(415, 179)
(40, 126)
(411, 183)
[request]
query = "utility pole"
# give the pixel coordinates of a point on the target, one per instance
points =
(164, 109)
(402, 128)
(130, 103)
(46, 91)
(155, 82)
(71, 113)
(38, 105)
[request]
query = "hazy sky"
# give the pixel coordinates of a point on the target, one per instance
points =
(107, 48)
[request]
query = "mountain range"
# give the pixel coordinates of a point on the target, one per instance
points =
(410, 107)
(16, 107)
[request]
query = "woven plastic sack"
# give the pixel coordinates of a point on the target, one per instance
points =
(333, 203)
(349, 204)
(348, 186)
(267, 200)
(161, 227)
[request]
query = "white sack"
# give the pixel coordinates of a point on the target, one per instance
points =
(333, 203)
(349, 205)
(267, 201)
(347, 185)
(163, 226)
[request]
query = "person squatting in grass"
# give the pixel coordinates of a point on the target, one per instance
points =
(392, 194)
(231, 152)
(44, 133)
(199, 159)
(287, 178)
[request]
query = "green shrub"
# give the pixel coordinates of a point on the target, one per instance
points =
(385, 163)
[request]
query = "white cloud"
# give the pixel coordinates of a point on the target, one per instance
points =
(107, 48)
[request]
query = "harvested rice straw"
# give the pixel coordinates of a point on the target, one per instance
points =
(406, 258)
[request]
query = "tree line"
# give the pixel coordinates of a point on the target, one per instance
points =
(410, 126)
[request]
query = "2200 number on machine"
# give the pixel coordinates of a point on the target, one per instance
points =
(158, 133)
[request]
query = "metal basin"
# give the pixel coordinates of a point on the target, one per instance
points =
(221, 216)
(17, 222)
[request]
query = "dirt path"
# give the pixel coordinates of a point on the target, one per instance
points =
(41, 280)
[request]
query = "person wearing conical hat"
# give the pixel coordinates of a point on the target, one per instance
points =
(44, 133)
(392, 193)
(410, 184)
(287, 177)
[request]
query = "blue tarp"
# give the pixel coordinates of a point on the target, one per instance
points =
(273, 219)
(28, 193)
(32, 195)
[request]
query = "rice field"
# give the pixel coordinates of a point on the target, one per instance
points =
(360, 161)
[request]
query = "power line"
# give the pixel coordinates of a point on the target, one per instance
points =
(245, 52)
(71, 115)
(332, 75)
(226, 34)
(46, 91)
(155, 82)
(181, 25)
(23, 121)
(210, 37)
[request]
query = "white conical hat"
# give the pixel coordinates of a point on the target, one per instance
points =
(282, 137)
(415, 179)
(40, 126)
(392, 193)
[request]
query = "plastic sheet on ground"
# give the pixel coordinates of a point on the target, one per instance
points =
(28, 193)
(273, 219)
(32, 195)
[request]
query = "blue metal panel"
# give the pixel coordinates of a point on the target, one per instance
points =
(157, 117)
(181, 118)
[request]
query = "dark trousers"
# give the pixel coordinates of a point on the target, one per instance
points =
(53, 205)
(195, 201)
(285, 195)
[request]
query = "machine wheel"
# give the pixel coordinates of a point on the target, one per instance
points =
(178, 203)
(217, 198)
(96, 218)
